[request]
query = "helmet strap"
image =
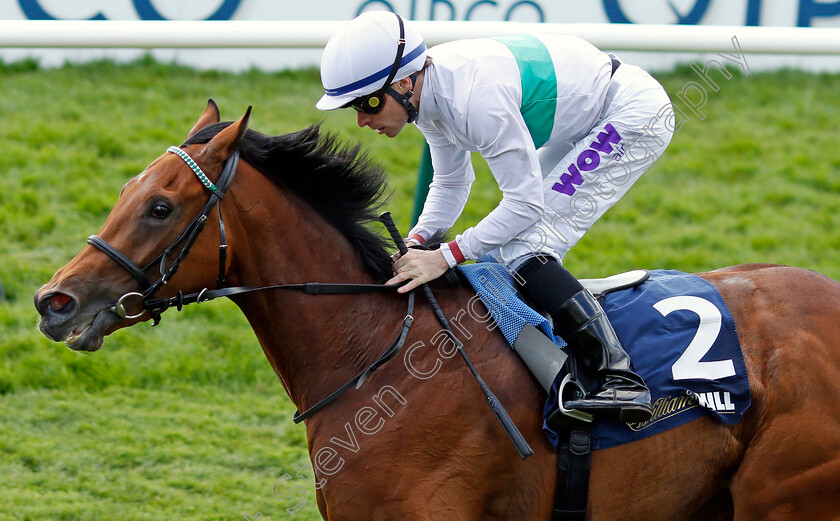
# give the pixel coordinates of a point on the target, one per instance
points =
(402, 98)
(405, 99)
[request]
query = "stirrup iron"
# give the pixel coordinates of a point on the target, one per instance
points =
(572, 413)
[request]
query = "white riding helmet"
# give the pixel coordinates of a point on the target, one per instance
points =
(359, 58)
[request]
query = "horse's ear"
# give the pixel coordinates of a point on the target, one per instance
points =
(225, 142)
(210, 115)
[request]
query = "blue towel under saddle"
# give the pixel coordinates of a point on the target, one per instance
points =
(680, 337)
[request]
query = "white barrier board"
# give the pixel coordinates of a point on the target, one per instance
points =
(767, 13)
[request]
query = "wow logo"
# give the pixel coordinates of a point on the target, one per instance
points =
(587, 160)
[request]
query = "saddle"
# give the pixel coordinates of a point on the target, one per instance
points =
(607, 285)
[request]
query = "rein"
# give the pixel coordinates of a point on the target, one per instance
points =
(310, 288)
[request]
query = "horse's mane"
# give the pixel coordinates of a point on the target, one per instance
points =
(342, 183)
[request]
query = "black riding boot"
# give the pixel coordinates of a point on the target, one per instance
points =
(581, 321)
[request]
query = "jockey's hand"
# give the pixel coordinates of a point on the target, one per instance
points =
(419, 266)
(408, 242)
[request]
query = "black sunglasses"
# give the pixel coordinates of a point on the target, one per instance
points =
(370, 104)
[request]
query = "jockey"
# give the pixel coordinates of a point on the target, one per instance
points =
(565, 128)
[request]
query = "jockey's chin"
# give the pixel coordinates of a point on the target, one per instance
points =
(391, 131)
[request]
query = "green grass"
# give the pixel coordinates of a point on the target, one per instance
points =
(187, 420)
(130, 454)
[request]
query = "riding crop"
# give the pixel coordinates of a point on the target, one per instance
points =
(495, 405)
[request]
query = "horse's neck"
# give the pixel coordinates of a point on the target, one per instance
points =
(315, 343)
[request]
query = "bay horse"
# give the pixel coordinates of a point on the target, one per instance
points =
(415, 441)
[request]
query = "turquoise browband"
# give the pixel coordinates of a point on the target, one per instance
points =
(195, 168)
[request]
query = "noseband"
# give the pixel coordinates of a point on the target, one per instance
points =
(188, 237)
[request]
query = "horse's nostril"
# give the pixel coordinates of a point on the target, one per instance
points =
(59, 301)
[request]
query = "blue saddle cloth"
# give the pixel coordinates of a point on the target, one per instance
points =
(680, 337)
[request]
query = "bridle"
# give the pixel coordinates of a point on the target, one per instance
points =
(188, 237)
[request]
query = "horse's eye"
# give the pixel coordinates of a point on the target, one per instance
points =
(160, 211)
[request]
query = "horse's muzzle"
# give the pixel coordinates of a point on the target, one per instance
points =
(61, 320)
(56, 309)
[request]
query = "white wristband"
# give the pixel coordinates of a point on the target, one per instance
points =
(447, 254)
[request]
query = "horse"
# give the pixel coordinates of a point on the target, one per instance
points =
(415, 442)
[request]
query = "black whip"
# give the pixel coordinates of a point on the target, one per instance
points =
(495, 405)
